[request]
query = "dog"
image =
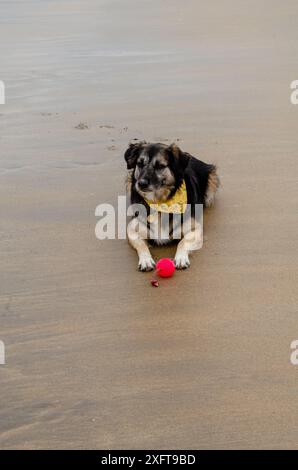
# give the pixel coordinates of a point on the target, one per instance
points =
(157, 175)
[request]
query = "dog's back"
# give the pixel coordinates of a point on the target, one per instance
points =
(201, 181)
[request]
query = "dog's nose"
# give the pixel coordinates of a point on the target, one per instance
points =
(143, 183)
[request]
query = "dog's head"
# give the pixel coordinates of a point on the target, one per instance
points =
(157, 169)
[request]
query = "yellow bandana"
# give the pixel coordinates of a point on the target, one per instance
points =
(176, 205)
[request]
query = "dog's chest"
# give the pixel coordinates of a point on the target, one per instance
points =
(164, 228)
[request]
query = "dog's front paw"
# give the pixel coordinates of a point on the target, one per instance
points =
(182, 260)
(146, 263)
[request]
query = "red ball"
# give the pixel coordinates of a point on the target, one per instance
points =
(165, 267)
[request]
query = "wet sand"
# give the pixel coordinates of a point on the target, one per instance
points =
(96, 357)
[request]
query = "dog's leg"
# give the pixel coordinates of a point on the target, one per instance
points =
(137, 234)
(192, 240)
(212, 187)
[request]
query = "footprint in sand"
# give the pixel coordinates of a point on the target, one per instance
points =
(82, 125)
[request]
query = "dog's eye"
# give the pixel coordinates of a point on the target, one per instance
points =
(140, 164)
(159, 166)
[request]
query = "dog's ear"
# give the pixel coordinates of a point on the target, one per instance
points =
(180, 158)
(132, 154)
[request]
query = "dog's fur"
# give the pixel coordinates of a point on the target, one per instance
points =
(155, 172)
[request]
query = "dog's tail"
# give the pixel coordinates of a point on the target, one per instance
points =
(212, 186)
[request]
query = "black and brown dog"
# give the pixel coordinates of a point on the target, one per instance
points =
(157, 173)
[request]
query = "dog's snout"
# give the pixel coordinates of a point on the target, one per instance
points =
(143, 183)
